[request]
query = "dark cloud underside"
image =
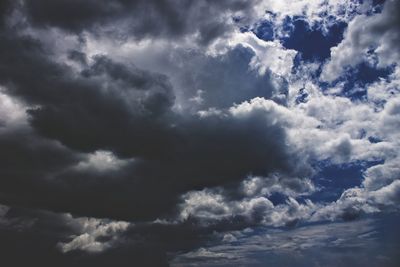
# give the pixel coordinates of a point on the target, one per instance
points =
(112, 157)
(110, 106)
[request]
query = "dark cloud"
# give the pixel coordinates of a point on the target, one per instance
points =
(35, 234)
(207, 152)
(170, 152)
(120, 108)
(5, 8)
(222, 80)
(132, 103)
(142, 19)
(74, 15)
(27, 163)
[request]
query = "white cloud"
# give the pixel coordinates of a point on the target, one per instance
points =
(213, 205)
(268, 55)
(334, 128)
(379, 32)
(381, 175)
(385, 89)
(277, 183)
(101, 161)
(12, 112)
(91, 229)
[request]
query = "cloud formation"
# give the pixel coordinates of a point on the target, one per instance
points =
(368, 38)
(202, 20)
(137, 132)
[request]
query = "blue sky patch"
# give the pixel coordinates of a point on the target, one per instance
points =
(265, 31)
(312, 42)
(335, 178)
(356, 78)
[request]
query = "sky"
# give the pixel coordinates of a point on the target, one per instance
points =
(199, 133)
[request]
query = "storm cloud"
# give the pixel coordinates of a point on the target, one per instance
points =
(206, 20)
(142, 132)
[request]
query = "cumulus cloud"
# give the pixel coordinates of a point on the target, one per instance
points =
(97, 104)
(268, 55)
(93, 230)
(134, 129)
(251, 204)
(377, 34)
(12, 112)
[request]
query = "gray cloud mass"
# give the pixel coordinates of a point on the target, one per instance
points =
(138, 132)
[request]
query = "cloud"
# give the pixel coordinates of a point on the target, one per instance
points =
(203, 20)
(381, 175)
(250, 206)
(379, 192)
(302, 246)
(93, 230)
(268, 55)
(45, 238)
(219, 81)
(12, 112)
(101, 161)
(130, 130)
(107, 105)
(378, 33)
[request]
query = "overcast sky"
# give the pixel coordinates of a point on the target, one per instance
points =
(199, 133)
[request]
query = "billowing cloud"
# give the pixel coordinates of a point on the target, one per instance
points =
(371, 38)
(106, 105)
(141, 132)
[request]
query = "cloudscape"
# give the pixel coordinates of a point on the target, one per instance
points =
(199, 133)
